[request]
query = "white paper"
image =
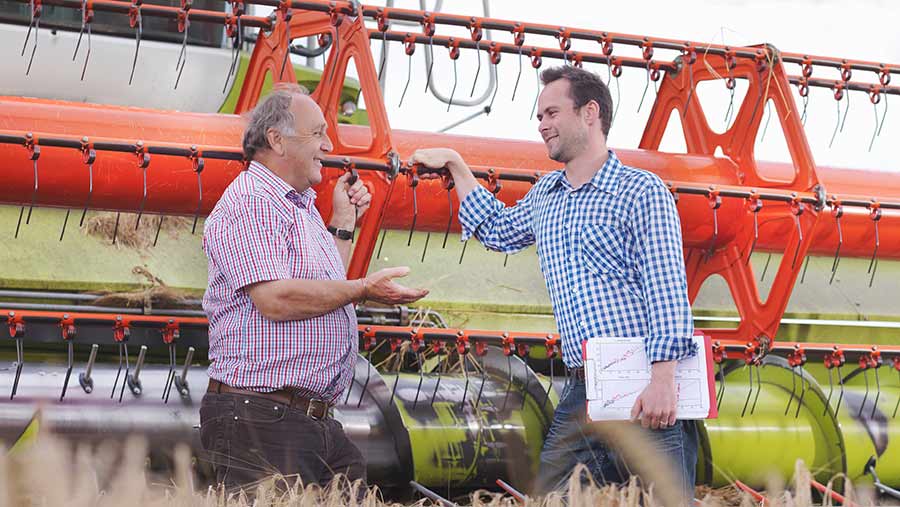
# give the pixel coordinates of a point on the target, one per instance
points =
(616, 371)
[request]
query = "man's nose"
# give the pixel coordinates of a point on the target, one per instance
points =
(542, 126)
(326, 144)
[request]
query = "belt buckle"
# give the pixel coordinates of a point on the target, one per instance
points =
(317, 409)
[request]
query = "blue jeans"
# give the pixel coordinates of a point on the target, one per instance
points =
(567, 444)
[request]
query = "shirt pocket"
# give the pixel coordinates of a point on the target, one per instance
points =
(602, 250)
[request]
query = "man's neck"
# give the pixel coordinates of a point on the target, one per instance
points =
(281, 171)
(581, 169)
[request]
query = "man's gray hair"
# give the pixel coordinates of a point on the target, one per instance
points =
(272, 112)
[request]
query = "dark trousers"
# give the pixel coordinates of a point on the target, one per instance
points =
(567, 444)
(249, 438)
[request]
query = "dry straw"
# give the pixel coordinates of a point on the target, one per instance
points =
(54, 472)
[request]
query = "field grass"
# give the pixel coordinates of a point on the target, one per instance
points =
(52, 472)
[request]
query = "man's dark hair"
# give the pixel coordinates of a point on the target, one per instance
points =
(584, 87)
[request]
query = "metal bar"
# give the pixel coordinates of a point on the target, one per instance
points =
(107, 309)
(839, 63)
(509, 48)
(160, 11)
(848, 85)
(734, 348)
(77, 296)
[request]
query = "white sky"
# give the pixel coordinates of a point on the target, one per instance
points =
(820, 27)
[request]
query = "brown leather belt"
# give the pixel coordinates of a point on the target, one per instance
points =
(316, 409)
(577, 373)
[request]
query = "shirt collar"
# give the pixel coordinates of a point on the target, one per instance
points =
(303, 199)
(606, 179)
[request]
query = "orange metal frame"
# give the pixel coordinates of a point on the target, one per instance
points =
(738, 177)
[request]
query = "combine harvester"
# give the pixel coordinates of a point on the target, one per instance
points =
(453, 409)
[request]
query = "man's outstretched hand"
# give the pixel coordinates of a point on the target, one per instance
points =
(381, 287)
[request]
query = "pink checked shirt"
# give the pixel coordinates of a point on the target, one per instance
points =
(260, 230)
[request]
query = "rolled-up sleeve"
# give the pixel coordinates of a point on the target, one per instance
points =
(250, 245)
(661, 262)
(497, 227)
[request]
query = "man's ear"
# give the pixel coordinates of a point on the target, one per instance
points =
(273, 137)
(591, 112)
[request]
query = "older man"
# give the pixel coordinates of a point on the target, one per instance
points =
(282, 325)
(609, 241)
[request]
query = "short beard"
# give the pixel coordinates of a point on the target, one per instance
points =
(566, 151)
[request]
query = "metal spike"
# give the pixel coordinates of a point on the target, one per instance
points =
(288, 14)
(137, 45)
(720, 394)
(646, 87)
(425, 248)
(793, 390)
(384, 49)
(381, 243)
(415, 216)
(846, 110)
(873, 264)
(866, 395)
(158, 228)
(766, 267)
(837, 124)
(37, 25)
(170, 377)
(408, 79)
(478, 69)
(365, 385)
(463, 252)
(453, 90)
(758, 389)
(837, 253)
(518, 75)
(877, 393)
(449, 220)
(116, 228)
(182, 56)
(430, 65)
(802, 393)
(65, 222)
(749, 392)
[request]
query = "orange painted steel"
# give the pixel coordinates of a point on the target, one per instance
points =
(509, 340)
(172, 182)
(718, 197)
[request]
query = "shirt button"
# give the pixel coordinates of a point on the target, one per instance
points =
(582, 324)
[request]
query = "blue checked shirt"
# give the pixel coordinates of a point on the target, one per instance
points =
(610, 252)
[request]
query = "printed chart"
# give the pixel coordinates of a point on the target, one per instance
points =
(617, 371)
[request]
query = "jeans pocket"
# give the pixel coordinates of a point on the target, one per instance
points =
(258, 411)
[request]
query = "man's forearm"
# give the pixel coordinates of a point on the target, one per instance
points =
(463, 179)
(344, 246)
(297, 299)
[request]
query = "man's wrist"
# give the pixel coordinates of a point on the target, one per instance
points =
(457, 166)
(340, 233)
(363, 291)
(663, 371)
